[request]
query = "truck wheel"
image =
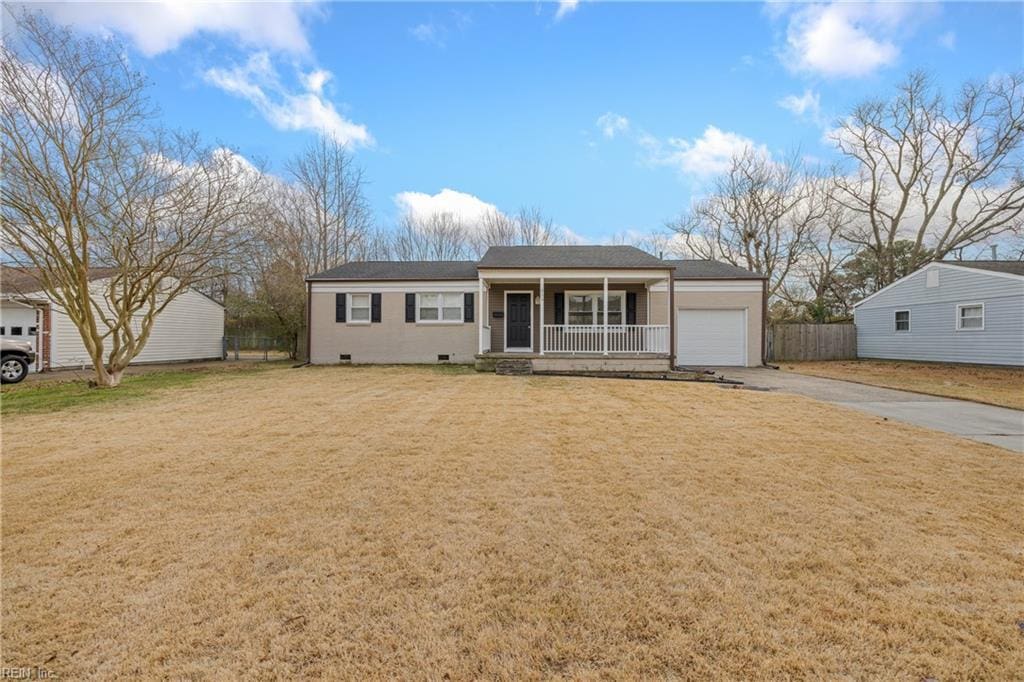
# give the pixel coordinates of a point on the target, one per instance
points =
(13, 369)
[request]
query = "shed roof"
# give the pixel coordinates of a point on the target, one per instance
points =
(1014, 267)
(23, 281)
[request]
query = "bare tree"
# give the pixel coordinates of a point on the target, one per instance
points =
(945, 175)
(528, 227)
(822, 260)
(438, 236)
(758, 216)
(328, 203)
(88, 183)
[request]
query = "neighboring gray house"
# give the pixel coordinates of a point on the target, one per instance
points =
(963, 311)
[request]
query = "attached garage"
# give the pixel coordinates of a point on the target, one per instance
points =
(712, 336)
(718, 310)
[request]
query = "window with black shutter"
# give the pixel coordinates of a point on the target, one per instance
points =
(374, 307)
(559, 307)
(630, 307)
(339, 307)
(410, 307)
(467, 308)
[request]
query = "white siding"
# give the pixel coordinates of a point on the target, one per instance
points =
(933, 335)
(191, 327)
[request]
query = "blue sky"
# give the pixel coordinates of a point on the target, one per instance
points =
(608, 116)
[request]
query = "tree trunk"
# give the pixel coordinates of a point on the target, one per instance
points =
(107, 377)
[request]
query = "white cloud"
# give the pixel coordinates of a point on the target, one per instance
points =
(466, 207)
(612, 124)
(847, 39)
(258, 82)
(436, 32)
(707, 155)
(428, 33)
(316, 79)
(565, 8)
(157, 27)
(808, 103)
(948, 40)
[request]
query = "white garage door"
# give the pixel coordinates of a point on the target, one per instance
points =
(711, 337)
(18, 323)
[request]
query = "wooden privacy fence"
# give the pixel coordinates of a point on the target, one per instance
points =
(812, 342)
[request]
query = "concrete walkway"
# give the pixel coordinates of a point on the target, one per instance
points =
(995, 425)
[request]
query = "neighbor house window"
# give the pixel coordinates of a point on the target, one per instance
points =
(903, 320)
(587, 307)
(970, 316)
(446, 307)
(359, 308)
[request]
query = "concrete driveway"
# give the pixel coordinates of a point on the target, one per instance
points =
(996, 425)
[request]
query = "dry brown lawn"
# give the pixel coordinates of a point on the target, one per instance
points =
(368, 523)
(1002, 386)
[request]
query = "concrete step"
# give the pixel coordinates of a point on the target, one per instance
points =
(518, 366)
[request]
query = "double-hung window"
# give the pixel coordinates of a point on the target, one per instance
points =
(587, 307)
(440, 307)
(970, 316)
(359, 308)
(902, 320)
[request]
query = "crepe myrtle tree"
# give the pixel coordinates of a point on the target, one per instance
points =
(942, 173)
(90, 182)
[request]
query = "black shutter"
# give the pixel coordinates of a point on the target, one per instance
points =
(410, 307)
(467, 308)
(339, 307)
(559, 307)
(630, 307)
(374, 307)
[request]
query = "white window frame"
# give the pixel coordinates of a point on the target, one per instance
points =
(440, 308)
(959, 320)
(895, 325)
(350, 303)
(593, 308)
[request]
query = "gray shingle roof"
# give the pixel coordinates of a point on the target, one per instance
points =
(1014, 267)
(411, 270)
(569, 257)
(22, 280)
(710, 269)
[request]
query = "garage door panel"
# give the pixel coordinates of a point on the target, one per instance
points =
(711, 337)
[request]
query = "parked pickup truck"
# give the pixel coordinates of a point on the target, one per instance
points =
(15, 357)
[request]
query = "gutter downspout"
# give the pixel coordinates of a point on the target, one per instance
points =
(764, 322)
(672, 318)
(309, 322)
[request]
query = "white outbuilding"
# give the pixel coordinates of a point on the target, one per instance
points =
(190, 328)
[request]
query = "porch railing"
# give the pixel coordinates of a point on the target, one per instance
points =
(590, 338)
(485, 339)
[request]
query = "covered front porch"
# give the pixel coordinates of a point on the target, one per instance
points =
(578, 319)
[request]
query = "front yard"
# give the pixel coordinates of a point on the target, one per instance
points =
(1003, 386)
(415, 523)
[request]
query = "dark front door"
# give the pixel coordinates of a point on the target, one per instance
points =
(518, 321)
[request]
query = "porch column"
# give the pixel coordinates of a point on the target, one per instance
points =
(671, 319)
(542, 316)
(481, 313)
(606, 316)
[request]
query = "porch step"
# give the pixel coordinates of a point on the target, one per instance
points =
(514, 366)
